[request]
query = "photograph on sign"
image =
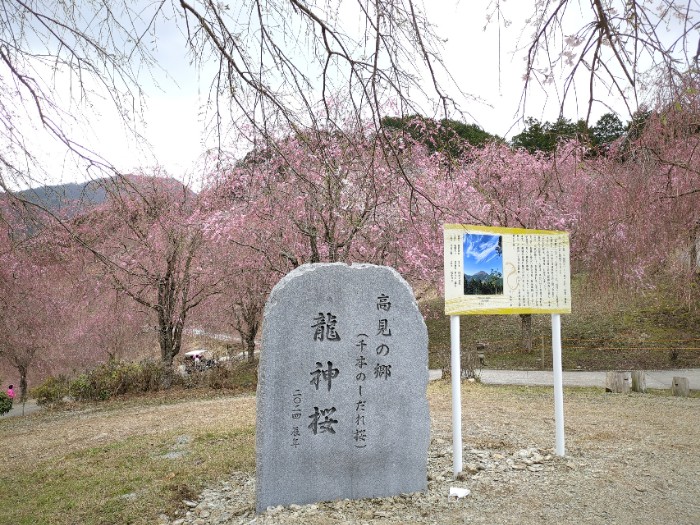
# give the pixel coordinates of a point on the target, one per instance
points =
(492, 270)
(483, 264)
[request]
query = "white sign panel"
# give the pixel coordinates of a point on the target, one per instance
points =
(491, 270)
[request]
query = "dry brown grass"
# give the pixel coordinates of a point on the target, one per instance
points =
(37, 438)
(630, 456)
(122, 462)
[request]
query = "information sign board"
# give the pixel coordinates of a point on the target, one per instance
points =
(491, 270)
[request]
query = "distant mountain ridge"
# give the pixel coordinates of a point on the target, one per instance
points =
(483, 283)
(74, 197)
(58, 197)
(71, 199)
(478, 276)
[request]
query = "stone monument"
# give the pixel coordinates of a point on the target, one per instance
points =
(342, 410)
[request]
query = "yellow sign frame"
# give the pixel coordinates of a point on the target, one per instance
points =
(538, 278)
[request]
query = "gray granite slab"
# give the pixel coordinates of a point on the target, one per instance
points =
(342, 410)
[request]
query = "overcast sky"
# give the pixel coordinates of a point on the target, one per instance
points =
(175, 123)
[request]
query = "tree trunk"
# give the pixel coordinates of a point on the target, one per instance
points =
(247, 322)
(695, 250)
(250, 346)
(313, 245)
(169, 335)
(526, 332)
(695, 259)
(170, 340)
(23, 383)
(164, 341)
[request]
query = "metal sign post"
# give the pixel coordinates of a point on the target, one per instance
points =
(558, 385)
(456, 395)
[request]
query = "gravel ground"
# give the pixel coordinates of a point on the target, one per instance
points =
(630, 459)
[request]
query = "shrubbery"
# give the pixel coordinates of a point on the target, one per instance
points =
(105, 381)
(117, 378)
(5, 403)
(237, 376)
(52, 390)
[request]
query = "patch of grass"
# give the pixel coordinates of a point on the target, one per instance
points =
(666, 392)
(605, 331)
(130, 480)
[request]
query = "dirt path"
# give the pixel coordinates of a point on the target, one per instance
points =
(658, 379)
(23, 410)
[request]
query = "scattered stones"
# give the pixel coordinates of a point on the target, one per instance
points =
(471, 468)
(459, 492)
(231, 502)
